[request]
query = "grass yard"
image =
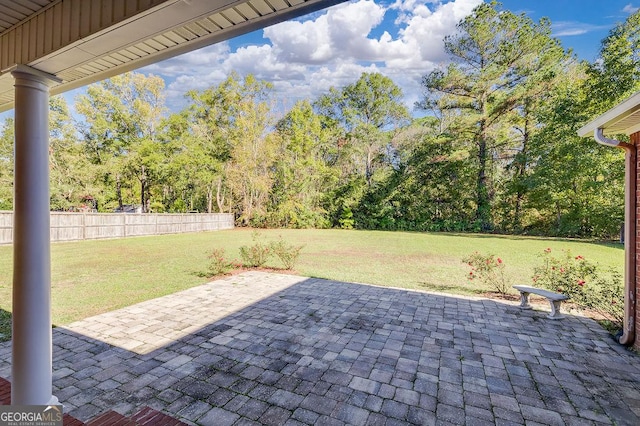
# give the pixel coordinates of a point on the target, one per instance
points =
(90, 277)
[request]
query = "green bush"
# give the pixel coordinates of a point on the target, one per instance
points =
(218, 263)
(157, 207)
(255, 255)
(584, 283)
(5, 326)
(346, 219)
(287, 253)
(487, 269)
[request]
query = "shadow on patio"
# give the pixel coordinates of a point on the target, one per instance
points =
(272, 349)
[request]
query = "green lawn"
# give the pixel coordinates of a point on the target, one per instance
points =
(91, 277)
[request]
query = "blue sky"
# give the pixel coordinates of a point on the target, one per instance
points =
(580, 25)
(401, 39)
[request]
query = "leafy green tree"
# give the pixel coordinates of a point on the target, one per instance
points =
(122, 116)
(207, 145)
(576, 187)
(549, 70)
(615, 75)
(70, 181)
(302, 177)
(364, 117)
(431, 187)
(69, 186)
(7, 137)
(498, 57)
(366, 110)
(222, 151)
(248, 171)
(177, 194)
(441, 184)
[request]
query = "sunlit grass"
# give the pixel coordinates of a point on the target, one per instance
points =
(91, 277)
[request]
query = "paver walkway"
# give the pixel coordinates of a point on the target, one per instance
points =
(261, 348)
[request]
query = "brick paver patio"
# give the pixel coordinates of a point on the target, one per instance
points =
(261, 348)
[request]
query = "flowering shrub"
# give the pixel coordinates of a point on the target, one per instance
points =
(581, 280)
(567, 274)
(287, 253)
(218, 264)
(255, 255)
(487, 269)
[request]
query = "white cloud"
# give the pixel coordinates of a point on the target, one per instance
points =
(422, 38)
(342, 33)
(303, 42)
(195, 62)
(303, 58)
(630, 9)
(571, 28)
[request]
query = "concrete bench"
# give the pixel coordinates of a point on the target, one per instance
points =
(555, 299)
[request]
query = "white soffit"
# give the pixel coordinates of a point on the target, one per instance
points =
(621, 119)
(84, 41)
(13, 12)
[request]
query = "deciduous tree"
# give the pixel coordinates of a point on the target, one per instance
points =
(120, 130)
(302, 177)
(7, 136)
(367, 110)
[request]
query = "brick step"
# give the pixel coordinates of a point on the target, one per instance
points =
(111, 418)
(68, 420)
(150, 417)
(147, 416)
(5, 399)
(5, 391)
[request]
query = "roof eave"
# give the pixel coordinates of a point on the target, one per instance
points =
(623, 118)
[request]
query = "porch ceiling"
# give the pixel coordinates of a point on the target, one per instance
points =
(84, 41)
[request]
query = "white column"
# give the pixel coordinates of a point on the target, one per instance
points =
(32, 347)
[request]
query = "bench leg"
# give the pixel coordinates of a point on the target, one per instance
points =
(524, 300)
(555, 309)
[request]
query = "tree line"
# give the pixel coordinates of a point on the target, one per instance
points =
(495, 151)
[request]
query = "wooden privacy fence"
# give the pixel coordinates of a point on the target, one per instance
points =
(93, 226)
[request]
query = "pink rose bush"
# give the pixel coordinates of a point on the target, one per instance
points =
(488, 269)
(584, 282)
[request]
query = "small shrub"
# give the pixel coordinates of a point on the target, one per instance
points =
(346, 219)
(581, 280)
(567, 274)
(157, 207)
(255, 255)
(487, 269)
(5, 325)
(287, 253)
(607, 297)
(218, 263)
